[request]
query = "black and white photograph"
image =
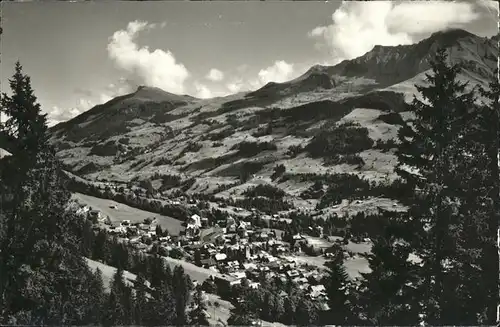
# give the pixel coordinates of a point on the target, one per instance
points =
(249, 163)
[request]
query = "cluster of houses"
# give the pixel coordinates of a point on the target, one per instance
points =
(139, 234)
(237, 251)
(95, 215)
(264, 265)
(194, 225)
(233, 249)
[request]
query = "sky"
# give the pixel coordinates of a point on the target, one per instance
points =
(80, 54)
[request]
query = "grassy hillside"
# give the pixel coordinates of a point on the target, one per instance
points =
(124, 212)
(332, 120)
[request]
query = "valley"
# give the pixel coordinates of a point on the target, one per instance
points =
(122, 212)
(298, 202)
(279, 190)
(345, 124)
(314, 157)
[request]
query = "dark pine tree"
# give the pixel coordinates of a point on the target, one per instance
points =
(241, 316)
(306, 313)
(157, 270)
(337, 288)
(197, 258)
(87, 237)
(100, 249)
(388, 293)
(129, 305)
(181, 287)
(43, 275)
(120, 256)
(163, 306)
(159, 231)
(491, 138)
(198, 315)
(141, 300)
(278, 309)
(431, 157)
(97, 298)
(116, 311)
(290, 305)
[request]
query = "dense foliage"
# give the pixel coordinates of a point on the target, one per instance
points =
(435, 264)
(108, 149)
(348, 187)
(339, 140)
(263, 204)
(278, 171)
(45, 278)
(38, 257)
(250, 149)
(219, 136)
(265, 190)
(273, 301)
(449, 157)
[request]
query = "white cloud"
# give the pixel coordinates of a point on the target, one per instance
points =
(235, 86)
(279, 72)
(215, 75)
(202, 91)
(57, 115)
(429, 17)
(254, 84)
(84, 104)
(358, 26)
(318, 31)
(89, 99)
(120, 87)
(103, 98)
(153, 68)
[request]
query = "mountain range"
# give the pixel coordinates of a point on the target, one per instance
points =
(207, 143)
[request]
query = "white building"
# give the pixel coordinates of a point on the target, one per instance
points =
(298, 237)
(317, 290)
(238, 274)
(83, 210)
(195, 221)
(220, 256)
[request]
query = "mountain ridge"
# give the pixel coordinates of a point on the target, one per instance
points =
(225, 146)
(321, 75)
(143, 93)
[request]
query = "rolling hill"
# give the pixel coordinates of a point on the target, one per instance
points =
(226, 145)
